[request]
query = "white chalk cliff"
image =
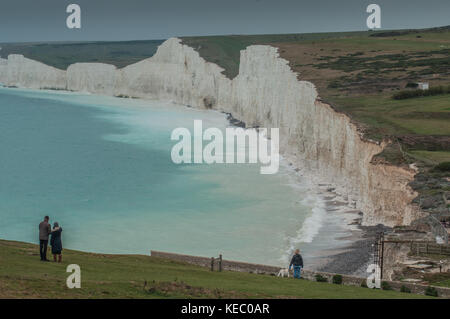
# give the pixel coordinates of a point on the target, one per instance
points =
(22, 72)
(266, 93)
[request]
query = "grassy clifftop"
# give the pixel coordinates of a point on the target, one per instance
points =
(62, 54)
(23, 275)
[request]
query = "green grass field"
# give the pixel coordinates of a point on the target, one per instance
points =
(62, 54)
(385, 116)
(432, 157)
(23, 275)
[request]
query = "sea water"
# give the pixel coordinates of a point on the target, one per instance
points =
(101, 167)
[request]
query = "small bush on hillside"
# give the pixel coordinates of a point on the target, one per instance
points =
(411, 85)
(407, 94)
(385, 286)
(443, 167)
(405, 289)
(337, 279)
(320, 278)
(431, 291)
(334, 84)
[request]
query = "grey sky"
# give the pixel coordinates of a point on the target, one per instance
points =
(44, 20)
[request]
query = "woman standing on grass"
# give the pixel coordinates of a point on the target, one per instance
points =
(56, 242)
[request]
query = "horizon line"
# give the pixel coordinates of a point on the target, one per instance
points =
(225, 35)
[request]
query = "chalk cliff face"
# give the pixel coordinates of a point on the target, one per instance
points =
(97, 78)
(266, 93)
(22, 72)
(176, 73)
(3, 66)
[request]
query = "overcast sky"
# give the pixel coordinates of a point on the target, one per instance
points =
(45, 20)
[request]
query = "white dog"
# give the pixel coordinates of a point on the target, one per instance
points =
(283, 273)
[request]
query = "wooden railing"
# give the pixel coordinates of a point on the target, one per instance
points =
(429, 248)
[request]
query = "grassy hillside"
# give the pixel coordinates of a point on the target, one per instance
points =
(23, 275)
(225, 50)
(62, 54)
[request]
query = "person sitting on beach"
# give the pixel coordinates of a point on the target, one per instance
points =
(297, 262)
(44, 231)
(56, 242)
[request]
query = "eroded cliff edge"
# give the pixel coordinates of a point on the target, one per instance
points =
(266, 93)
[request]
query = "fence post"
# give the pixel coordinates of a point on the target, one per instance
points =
(212, 263)
(220, 262)
(426, 248)
(382, 255)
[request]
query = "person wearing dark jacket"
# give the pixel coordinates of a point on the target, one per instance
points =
(44, 231)
(297, 262)
(56, 242)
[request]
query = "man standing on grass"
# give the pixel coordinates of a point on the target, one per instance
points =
(44, 231)
(297, 262)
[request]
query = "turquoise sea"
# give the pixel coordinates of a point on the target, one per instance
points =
(101, 167)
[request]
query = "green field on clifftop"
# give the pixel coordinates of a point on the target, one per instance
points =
(62, 54)
(23, 275)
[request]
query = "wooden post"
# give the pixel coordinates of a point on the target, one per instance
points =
(212, 263)
(382, 256)
(220, 262)
(426, 248)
